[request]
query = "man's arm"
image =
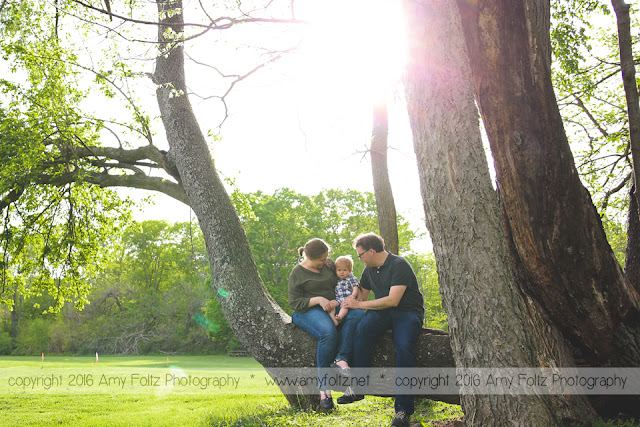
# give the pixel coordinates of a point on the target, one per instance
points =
(390, 301)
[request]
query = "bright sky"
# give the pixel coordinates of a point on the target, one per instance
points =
(305, 121)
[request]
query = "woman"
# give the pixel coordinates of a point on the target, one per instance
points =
(312, 295)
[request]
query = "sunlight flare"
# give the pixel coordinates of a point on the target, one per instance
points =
(358, 46)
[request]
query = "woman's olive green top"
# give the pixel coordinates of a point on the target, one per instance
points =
(305, 284)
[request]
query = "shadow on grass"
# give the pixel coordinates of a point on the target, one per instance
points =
(370, 411)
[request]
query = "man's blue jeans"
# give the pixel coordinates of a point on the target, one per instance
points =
(405, 326)
(333, 344)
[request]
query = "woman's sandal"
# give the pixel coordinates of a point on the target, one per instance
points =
(345, 372)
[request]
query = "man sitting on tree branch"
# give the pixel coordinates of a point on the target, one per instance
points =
(398, 305)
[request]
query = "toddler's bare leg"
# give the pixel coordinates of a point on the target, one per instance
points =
(342, 313)
(332, 314)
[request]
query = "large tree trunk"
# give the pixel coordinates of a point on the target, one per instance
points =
(259, 323)
(385, 204)
(556, 231)
(489, 320)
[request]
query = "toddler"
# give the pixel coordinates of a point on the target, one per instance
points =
(347, 285)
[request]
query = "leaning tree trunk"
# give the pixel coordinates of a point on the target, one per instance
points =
(489, 320)
(385, 204)
(263, 328)
(259, 323)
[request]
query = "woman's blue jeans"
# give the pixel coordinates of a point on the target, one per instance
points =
(333, 344)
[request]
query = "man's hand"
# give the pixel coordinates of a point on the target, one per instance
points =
(351, 303)
(390, 301)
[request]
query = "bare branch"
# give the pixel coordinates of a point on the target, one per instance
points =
(237, 78)
(608, 194)
(588, 113)
(614, 73)
(221, 23)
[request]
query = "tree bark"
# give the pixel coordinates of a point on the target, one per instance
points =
(557, 233)
(385, 204)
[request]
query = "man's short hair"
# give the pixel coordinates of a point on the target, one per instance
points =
(369, 241)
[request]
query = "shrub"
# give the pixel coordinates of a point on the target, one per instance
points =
(35, 338)
(6, 343)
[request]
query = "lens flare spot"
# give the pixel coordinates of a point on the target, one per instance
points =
(206, 323)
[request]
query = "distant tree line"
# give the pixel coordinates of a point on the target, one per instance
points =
(150, 283)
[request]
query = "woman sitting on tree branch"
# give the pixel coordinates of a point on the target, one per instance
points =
(312, 295)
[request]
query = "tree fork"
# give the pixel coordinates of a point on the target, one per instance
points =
(556, 230)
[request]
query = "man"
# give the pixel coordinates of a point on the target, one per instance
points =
(398, 305)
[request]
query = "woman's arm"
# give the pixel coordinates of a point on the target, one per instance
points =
(297, 300)
(323, 302)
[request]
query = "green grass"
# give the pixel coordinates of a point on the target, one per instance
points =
(372, 411)
(151, 391)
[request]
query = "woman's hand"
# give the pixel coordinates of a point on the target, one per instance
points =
(331, 305)
(322, 302)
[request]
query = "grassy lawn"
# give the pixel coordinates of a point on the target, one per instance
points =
(156, 391)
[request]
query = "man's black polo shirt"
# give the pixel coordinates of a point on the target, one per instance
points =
(394, 272)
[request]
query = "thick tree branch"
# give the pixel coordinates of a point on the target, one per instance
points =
(11, 197)
(100, 157)
(387, 216)
(149, 152)
(105, 180)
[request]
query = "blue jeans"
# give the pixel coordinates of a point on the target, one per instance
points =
(405, 326)
(333, 344)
